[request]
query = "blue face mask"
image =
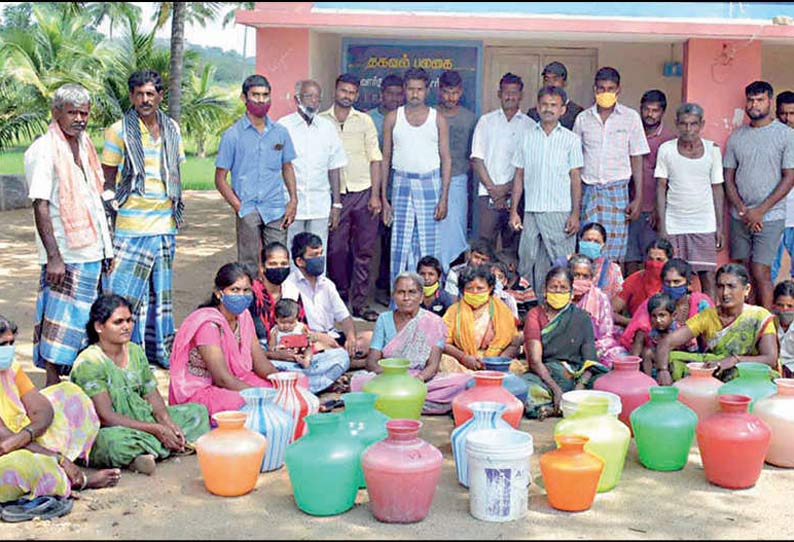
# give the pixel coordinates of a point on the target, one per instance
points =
(236, 303)
(676, 292)
(591, 249)
(315, 266)
(6, 356)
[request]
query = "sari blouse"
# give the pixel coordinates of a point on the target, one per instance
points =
(15, 384)
(740, 337)
(567, 337)
(484, 332)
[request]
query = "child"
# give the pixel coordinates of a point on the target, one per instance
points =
(435, 299)
(661, 307)
(500, 290)
(287, 325)
(517, 286)
(784, 311)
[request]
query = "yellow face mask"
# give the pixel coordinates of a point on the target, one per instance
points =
(557, 301)
(606, 99)
(476, 300)
(430, 290)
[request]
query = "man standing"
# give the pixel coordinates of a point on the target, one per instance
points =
(320, 157)
(785, 114)
(642, 231)
(555, 74)
(613, 143)
(493, 146)
(72, 235)
(392, 96)
(352, 244)
(452, 230)
(759, 172)
(145, 149)
(690, 197)
(548, 165)
(259, 154)
(416, 147)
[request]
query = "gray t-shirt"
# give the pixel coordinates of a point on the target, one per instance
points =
(759, 155)
(461, 128)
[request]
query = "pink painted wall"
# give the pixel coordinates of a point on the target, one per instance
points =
(282, 55)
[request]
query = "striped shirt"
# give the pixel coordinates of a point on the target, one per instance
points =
(547, 161)
(150, 213)
(495, 141)
(608, 146)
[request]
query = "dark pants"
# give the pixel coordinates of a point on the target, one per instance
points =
(350, 248)
(384, 267)
(494, 222)
(253, 235)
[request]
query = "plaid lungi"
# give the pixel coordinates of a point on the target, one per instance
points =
(606, 204)
(62, 313)
(144, 267)
(414, 230)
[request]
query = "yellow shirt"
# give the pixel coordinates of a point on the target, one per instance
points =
(707, 324)
(360, 141)
(151, 213)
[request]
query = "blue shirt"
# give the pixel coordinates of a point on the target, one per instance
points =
(255, 162)
(378, 118)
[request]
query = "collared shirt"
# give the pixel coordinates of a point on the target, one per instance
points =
(608, 146)
(150, 213)
(319, 150)
(495, 141)
(659, 136)
(255, 161)
(360, 141)
(547, 161)
(43, 184)
(322, 303)
(378, 118)
(572, 111)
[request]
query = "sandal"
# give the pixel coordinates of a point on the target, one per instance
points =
(189, 449)
(41, 507)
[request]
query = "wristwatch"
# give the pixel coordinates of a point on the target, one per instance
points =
(336, 205)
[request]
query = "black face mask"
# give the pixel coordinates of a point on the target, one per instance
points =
(276, 275)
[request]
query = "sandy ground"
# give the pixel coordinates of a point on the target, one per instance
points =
(174, 503)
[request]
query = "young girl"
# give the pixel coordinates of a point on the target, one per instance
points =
(287, 325)
(784, 312)
(500, 290)
(661, 308)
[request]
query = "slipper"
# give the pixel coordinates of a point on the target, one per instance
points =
(41, 507)
(328, 406)
(189, 449)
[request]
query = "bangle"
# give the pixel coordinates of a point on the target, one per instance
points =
(30, 432)
(336, 205)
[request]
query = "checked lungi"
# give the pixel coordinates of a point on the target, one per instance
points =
(143, 273)
(414, 231)
(62, 313)
(606, 204)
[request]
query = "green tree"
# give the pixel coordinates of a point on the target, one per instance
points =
(17, 15)
(20, 120)
(206, 111)
(229, 18)
(114, 12)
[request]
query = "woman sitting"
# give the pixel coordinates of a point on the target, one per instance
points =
(588, 297)
(733, 331)
(137, 427)
(784, 311)
(560, 347)
(641, 285)
(216, 352)
(417, 335)
(607, 276)
(676, 278)
(479, 324)
(42, 433)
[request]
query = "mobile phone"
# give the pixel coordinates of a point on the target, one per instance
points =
(294, 341)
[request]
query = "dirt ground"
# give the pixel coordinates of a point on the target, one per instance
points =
(174, 503)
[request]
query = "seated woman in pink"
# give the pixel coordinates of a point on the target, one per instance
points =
(216, 353)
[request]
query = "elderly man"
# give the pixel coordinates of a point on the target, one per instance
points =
(144, 149)
(352, 244)
(555, 74)
(320, 159)
(72, 234)
(259, 154)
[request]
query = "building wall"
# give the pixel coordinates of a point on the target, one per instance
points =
(324, 62)
(776, 66)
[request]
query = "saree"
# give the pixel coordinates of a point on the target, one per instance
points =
(596, 303)
(641, 321)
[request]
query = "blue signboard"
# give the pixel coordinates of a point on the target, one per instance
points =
(373, 59)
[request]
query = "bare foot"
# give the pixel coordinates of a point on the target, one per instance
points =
(144, 463)
(103, 478)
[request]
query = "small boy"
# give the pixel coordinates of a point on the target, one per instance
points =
(434, 298)
(289, 333)
(661, 308)
(499, 271)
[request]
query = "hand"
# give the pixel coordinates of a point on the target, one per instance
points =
(757, 227)
(720, 241)
(350, 346)
(663, 377)
(108, 265)
(556, 397)
(753, 216)
(387, 214)
(572, 224)
(722, 365)
(441, 209)
(56, 270)
(177, 431)
(14, 442)
(472, 362)
(662, 231)
(289, 214)
(333, 220)
(169, 438)
(633, 210)
(515, 221)
(653, 220)
(374, 206)
(236, 205)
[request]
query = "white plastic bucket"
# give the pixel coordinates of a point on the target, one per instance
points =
(499, 474)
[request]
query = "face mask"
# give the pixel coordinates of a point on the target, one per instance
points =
(606, 99)
(257, 109)
(557, 300)
(653, 268)
(308, 111)
(676, 292)
(6, 356)
(581, 286)
(498, 287)
(315, 266)
(785, 317)
(591, 249)
(276, 275)
(236, 303)
(475, 300)
(430, 290)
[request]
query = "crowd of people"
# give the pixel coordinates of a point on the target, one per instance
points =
(566, 202)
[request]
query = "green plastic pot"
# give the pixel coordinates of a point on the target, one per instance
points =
(664, 429)
(400, 395)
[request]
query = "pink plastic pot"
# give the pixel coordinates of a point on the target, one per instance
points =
(698, 391)
(626, 381)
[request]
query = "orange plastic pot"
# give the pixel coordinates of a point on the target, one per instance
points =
(571, 474)
(230, 455)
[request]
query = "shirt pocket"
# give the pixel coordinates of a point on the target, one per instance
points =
(270, 155)
(618, 139)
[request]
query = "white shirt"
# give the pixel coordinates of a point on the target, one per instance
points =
(323, 306)
(43, 184)
(690, 203)
(319, 149)
(495, 141)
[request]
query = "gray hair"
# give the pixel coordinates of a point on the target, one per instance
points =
(70, 93)
(689, 109)
(581, 259)
(305, 83)
(7, 325)
(410, 275)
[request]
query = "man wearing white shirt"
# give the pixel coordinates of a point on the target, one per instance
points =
(494, 143)
(320, 157)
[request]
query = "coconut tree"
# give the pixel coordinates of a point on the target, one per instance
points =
(229, 18)
(205, 110)
(19, 119)
(114, 12)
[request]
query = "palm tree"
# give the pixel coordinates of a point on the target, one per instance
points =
(114, 12)
(206, 111)
(19, 119)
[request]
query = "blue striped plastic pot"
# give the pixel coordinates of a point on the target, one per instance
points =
(485, 415)
(269, 420)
